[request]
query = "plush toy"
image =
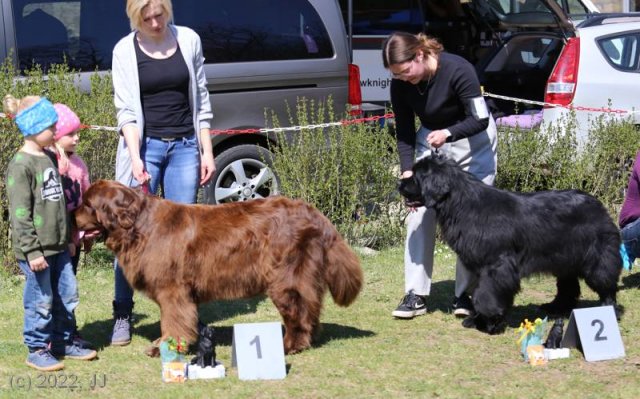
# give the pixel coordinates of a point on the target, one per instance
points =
(206, 352)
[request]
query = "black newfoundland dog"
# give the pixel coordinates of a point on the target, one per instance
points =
(503, 236)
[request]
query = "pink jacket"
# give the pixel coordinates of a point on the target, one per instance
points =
(75, 181)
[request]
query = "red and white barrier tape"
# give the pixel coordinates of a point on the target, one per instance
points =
(343, 122)
(551, 105)
(375, 118)
(263, 130)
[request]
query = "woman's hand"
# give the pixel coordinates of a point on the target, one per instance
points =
(437, 138)
(207, 167)
(137, 168)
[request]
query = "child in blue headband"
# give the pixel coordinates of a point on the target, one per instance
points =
(40, 234)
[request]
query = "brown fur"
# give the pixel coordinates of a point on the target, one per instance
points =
(183, 255)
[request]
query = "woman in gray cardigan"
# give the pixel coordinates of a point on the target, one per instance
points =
(164, 117)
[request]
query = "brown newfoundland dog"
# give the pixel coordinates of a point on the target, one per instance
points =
(183, 255)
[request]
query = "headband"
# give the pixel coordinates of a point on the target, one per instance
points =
(37, 117)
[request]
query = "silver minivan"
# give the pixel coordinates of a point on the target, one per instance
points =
(259, 54)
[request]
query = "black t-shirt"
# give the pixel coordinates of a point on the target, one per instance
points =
(440, 106)
(164, 87)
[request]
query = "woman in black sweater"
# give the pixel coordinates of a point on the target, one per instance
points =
(443, 91)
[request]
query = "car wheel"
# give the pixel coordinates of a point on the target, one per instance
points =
(242, 173)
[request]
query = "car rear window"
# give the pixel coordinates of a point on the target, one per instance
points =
(622, 51)
(83, 32)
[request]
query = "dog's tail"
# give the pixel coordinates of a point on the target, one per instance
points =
(343, 272)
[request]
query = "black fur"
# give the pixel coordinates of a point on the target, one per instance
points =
(206, 352)
(504, 236)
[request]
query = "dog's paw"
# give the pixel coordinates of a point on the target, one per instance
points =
(556, 308)
(497, 328)
(469, 322)
(152, 351)
(619, 310)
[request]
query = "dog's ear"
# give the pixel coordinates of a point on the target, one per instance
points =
(118, 206)
(127, 207)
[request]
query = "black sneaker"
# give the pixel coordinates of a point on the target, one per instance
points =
(462, 306)
(411, 305)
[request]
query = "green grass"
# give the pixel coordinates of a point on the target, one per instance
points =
(362, 351)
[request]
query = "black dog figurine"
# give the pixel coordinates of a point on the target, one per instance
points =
(206, 352)
(555, 335)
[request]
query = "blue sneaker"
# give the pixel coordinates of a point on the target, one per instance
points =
(43, 360)
(76, 352)
(81, 342)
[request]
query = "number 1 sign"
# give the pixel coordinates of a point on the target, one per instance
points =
(596, 329)
(258, 351)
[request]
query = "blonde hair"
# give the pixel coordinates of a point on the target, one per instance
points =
(134, 11)
(63, 158)
(401, 47)
(11, 105)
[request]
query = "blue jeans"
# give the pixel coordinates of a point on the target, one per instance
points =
(631, 238)
(50, 297)
(174, 165)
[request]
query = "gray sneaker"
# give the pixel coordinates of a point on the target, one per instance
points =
(81, 342)
(121, 335)
(43, 360)
(410, 306)
(75, 352)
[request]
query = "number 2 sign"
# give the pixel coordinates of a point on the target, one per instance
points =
(596, 329)
(258, 351)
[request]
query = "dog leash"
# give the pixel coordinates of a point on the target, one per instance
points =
(145, 188)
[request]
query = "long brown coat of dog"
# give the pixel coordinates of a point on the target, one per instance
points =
(183, 255)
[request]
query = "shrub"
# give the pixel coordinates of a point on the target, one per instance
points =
(97, 147)
(349, 172)
(552, 158)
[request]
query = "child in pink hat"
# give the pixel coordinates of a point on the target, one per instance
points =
(75, 181)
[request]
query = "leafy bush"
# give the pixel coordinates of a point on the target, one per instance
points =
(552, 158)
(349, 172)
(95, 107)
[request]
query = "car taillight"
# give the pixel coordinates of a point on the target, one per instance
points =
(564, 78)
(355, 95)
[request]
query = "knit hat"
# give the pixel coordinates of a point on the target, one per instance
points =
(68, 121)
(36, 118)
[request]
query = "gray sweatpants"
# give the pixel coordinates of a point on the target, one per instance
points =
(477, 155)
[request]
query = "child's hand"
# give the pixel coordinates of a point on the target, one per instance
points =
(38, 264)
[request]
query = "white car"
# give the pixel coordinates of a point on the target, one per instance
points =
(597, 75)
